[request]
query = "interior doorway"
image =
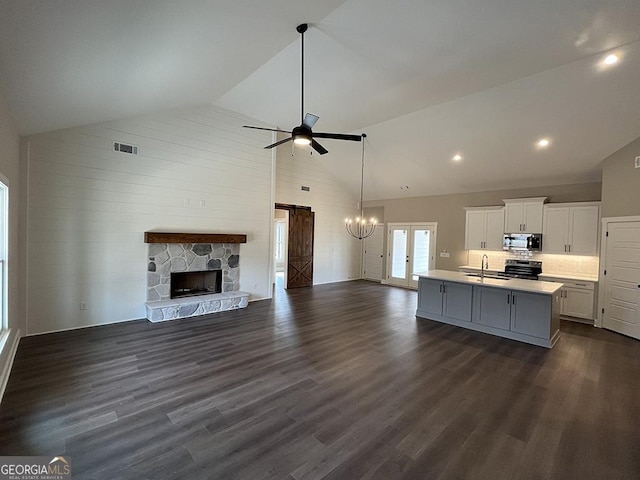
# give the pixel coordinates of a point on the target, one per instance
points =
(281, 234)
(620, 276)
(298, 271)
(410, 248)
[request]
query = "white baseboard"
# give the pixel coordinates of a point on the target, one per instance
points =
(7, 355)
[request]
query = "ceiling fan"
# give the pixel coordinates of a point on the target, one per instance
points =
(302, 134)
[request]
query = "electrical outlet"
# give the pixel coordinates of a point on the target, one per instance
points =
(83, 306)
(445, 254)
(637, 162)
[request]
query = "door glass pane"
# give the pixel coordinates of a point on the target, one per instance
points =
(399, 254)
(421, 244)
(280, 232)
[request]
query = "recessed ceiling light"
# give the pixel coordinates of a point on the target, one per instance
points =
(543, 142)
(457, 157)
(611, 59)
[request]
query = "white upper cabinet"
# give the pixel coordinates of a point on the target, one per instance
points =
(483, 229)
(523, 215)
(571, 228)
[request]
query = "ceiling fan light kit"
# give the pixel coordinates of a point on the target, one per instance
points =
(303, 134)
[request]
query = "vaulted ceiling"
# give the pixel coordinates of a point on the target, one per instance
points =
(424, 79)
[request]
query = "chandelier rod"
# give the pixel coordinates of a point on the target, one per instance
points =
(364, 135)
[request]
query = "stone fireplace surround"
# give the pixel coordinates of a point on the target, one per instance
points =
(166, 258)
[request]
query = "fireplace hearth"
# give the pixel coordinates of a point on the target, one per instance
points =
(191, 284)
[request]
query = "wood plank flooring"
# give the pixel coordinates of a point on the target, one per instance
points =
(340, 381)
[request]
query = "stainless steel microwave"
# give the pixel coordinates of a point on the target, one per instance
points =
(531, 242)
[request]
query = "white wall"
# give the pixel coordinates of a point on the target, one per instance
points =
(88, 207)
(336, 254)
(10, 175)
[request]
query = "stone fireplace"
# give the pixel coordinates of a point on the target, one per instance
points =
(168, 258)
(187, 279)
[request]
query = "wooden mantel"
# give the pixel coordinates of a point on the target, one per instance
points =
(167, 237)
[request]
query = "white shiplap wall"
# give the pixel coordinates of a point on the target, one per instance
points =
(336, 254)
(88, 207)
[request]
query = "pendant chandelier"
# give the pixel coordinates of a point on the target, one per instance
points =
(359, 227)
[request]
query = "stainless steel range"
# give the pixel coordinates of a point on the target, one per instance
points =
(526, 269)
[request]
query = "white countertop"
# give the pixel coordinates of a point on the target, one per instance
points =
(569, 276)
(533, 286)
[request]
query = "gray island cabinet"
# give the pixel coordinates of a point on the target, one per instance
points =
(524, 310)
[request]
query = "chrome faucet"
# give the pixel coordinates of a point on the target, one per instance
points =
(485, 265)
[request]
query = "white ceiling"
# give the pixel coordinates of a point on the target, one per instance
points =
(424, 80)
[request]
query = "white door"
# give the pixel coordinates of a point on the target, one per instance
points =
(373, 254)
(398, 256)
(411, 249)
(622, 279)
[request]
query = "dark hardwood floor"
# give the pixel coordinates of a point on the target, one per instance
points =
(339, 381)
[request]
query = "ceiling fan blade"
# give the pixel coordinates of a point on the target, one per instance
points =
(318, 148)
(267, 129)
(338, 136)
(310, 120)
(279, 143)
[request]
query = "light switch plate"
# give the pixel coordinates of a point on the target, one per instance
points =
(637, 162)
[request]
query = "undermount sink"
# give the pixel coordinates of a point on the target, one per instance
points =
(496, 276)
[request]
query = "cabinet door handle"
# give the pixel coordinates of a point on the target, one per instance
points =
(569, 247)
(565, 249)
(508, 298)
(513, 300)
(440, 288)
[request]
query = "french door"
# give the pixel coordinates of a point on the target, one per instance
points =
(411, 249)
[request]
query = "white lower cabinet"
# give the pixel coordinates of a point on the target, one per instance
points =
(446, 299)
(577, 299)
(577, 302)
(520, 312)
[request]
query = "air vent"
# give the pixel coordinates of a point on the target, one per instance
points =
(124, 148)
(305, 189)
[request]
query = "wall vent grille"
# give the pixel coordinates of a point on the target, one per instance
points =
(124, 148)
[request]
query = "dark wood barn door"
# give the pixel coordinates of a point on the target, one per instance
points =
(300, 251)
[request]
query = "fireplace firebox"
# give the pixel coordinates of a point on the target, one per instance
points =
(190, 284)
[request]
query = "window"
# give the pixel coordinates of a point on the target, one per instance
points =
(4, 204)
(280, 239)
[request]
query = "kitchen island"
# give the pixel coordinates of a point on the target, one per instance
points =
(524, 310)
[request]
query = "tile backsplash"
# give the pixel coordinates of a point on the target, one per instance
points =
(583, 266)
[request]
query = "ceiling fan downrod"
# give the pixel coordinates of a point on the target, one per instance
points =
(301, 29)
